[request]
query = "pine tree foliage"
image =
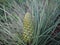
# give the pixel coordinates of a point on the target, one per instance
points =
(29, 22)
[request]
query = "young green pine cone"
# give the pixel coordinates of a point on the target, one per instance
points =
(28, 27)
